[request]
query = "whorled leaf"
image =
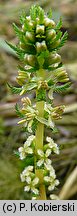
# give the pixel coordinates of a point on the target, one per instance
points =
(14, 90)
(62, 88)
(18, 112)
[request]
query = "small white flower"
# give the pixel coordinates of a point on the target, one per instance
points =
(27, 170)
(52, 173)
(34, 198)
(48, 108)
(48, 139)
(26, 149)
(43, 157)
(22, 177)
(27, 188)
(48, 167)
(53, 184)
(22, 153)
(51, 170)
(26, 173)
(51, 187)
(52, 145)
(47, 178)
(29, 127)
(29, 140)
(28, 179)
(50, 122)
(54, 197)
(32, 185)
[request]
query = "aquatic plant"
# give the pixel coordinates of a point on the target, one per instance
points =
(43, 73)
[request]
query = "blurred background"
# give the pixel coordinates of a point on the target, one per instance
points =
(12, 135)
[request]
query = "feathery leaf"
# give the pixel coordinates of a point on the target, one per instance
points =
(18, 112)
(59, 34)
(18, 51)
(62, 88)
(59, 24)
(18, 32)
(49, 13)
(14, 90)
(37, 11)
(63, 39)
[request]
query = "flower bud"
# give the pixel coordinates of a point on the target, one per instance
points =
(55, 116)
(22, 73)
(51, 34)
(25, 57)
(49, 23)
(61, 75)
(28, 18)
(59, 109)
(43, 84)
(29, 36)
(54, 58)
(23, 27)
(41, 46)
(26, 101)
(31, 24)
(64, 79)
(60, 71)
(57, 112)
(22, 45)
(22, 121)
(40, 29)
(55, 44)
(37, 19)
(19, 81)
(30, 59)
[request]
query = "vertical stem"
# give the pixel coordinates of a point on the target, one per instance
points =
(39, 145)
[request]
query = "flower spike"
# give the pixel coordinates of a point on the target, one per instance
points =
(43, 73)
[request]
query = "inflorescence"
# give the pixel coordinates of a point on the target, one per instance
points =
(40, 38)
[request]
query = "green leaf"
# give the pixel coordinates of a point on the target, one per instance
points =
(41, 15)
(31, 86)
(37, 11)
(49, 14)
(59, 24)
(18, 32)
(14, 90)
(18, 112)
(28, 161)
(19, 51)
(22, 17)
(59, 34)
(63, 40)
(34, 12)
(62, 88)
(34, 125)
(28, 87)
(17, 153)
(31, 70)
(41, 57)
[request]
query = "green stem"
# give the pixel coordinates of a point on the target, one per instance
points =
(39, 145)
